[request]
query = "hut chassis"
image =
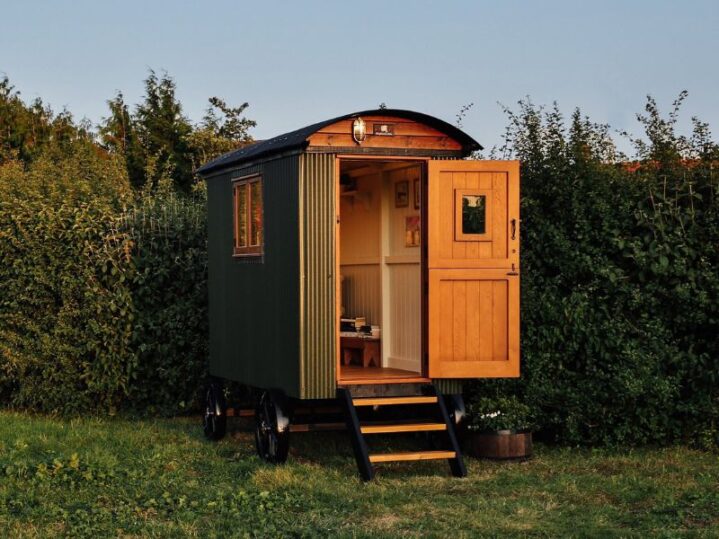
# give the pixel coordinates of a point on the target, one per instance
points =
(298, 364)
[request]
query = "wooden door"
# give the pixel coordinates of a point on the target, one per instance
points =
(473, 269)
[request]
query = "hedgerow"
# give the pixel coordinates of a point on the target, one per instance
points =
(102, 293)
(620, 290)
(103, 299)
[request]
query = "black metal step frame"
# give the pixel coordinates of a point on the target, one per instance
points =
(359, 445)
(448, 437)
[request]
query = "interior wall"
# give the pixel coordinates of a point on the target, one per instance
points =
(402, 276)
(381, 274)
(360, 249)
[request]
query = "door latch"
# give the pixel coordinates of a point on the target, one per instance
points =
(513, 271)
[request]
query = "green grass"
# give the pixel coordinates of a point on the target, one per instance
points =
(160, 478)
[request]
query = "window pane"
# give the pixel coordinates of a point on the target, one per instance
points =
(256, 209)
(241, 217)
(474, 214)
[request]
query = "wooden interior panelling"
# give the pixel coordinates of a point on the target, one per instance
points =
(403, 276)
(360, 249)
(361, 292)
(381, 275)
(407, 134)
(405, 343)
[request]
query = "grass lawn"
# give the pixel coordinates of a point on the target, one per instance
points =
(160, 478)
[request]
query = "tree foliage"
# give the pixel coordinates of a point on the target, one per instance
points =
(102, 257)
(157, 140)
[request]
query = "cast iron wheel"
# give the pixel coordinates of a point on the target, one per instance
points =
(214, 421)
(272, 427)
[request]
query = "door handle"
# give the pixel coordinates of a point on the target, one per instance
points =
(514, 228)
(513, 271)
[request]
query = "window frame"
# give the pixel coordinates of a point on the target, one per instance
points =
(248, 250)
(459, 234)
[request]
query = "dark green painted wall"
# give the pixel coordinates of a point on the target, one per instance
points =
(254, 303)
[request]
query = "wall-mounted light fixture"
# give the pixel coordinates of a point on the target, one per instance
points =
(359, 130)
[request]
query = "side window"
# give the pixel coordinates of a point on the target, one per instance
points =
(473, 215)
(248, 216)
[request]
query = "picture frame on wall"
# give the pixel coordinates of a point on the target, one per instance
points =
(401, 194)
(417, 194)
(412, 231)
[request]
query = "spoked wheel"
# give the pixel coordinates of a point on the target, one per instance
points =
(272, 427)
(214, 421)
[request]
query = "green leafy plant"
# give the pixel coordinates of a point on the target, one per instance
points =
(499, 413)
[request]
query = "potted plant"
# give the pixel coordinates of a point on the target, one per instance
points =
(500, 428)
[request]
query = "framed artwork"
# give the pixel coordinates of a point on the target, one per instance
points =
(401, 194)
(416, 194)
(411, 231)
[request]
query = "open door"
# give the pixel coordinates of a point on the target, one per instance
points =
(473, 269)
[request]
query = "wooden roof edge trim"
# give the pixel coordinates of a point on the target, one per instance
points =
(299, 139)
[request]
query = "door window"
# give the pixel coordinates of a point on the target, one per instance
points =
(473, 215)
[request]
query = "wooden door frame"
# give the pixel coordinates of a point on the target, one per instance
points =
(424, 354)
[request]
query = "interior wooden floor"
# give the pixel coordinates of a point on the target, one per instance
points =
(354, 374)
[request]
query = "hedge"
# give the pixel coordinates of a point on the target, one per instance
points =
(620, 290)
(103, 301)
(102, 293)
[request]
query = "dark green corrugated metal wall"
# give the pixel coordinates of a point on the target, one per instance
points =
(317, 269)
(254, 304)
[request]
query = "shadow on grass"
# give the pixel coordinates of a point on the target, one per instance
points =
(332, 451)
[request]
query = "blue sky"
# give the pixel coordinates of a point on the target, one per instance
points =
(301, 62)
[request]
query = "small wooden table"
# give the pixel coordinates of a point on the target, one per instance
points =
(367, 346)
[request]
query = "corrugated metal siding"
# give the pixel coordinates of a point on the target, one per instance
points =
(254, 303)
(449, 386)
(317, 268)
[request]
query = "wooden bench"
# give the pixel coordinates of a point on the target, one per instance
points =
(368, 348)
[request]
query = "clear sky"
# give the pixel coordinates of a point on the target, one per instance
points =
(301, 62)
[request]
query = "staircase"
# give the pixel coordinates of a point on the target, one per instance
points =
(428, 413)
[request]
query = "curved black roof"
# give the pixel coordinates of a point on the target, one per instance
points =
(298, 139)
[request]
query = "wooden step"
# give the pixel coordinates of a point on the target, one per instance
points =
(402, 427)
(412, 455)
(389, 401)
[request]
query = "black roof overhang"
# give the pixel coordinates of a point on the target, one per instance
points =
(298, 139)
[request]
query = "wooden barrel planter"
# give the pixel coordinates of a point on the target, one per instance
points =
(501, 444)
